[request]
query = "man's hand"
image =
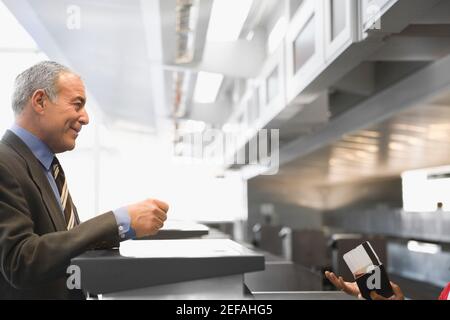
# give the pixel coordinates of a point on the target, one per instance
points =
(352, 289)
(148, 216)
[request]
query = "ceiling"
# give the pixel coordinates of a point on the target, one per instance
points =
(413, 139)
(126, 52)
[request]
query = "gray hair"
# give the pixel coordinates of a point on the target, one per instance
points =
(44, 76)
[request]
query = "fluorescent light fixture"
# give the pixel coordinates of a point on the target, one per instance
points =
(227, 19)
(423, 247)
(277, 34)
(207, 87)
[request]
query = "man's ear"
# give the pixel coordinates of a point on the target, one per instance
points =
(38, 101)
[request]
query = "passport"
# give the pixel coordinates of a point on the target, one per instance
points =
(368, 271)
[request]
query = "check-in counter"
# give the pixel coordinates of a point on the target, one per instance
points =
(168, 269)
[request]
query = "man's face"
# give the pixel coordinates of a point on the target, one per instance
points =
(62, 119)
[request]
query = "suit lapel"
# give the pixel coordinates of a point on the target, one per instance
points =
(36, 172)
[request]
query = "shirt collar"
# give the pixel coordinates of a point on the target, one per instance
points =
(40, 150)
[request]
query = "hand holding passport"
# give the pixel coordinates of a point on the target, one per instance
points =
(371, 279)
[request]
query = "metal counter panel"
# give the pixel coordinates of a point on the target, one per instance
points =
(141, 264)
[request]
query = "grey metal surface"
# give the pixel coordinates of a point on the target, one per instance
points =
(222, 288)
(283, 276)
(106, 271)
(319, 295)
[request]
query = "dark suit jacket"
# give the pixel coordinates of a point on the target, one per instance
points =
(35, 247)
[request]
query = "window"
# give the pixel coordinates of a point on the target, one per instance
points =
(338, 17)
(253, 108)
(273, 85)
(305, 44)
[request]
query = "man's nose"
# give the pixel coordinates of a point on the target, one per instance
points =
(84, 119)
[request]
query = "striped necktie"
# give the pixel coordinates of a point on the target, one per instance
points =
(66, 201)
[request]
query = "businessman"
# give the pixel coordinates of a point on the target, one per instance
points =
(39, 226)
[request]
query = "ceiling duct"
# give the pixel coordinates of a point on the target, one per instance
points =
(181, 81)
(186, 24)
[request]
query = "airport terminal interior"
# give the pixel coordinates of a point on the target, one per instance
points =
(282, 133)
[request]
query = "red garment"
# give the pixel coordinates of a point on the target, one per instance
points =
(445, 295)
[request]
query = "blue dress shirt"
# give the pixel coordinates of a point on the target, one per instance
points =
(45, 156)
